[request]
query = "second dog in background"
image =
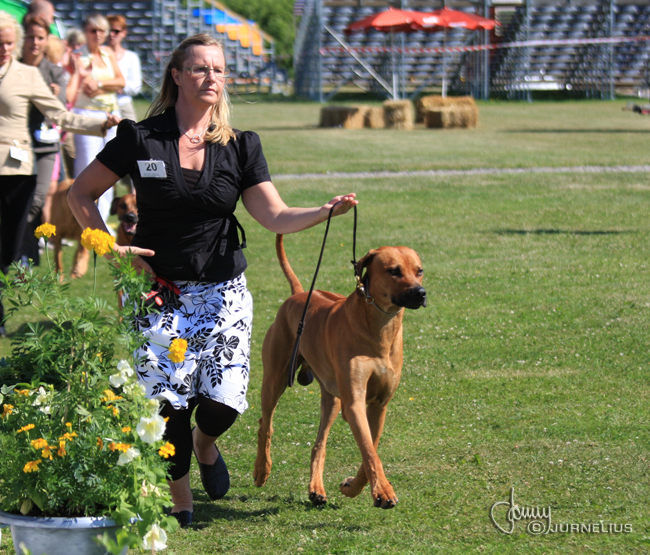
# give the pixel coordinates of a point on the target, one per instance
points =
(126, 209)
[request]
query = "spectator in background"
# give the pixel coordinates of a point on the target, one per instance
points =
(43, 9)
(22, 86)
(45, 136)
(95, 83)
(74, 40)
(129, 63)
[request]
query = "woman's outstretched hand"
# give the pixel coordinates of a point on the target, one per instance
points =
(342, 204)
(139, 263)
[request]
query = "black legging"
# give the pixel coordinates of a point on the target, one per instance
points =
(212, 418)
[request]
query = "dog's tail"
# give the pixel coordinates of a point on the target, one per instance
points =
(294, 282)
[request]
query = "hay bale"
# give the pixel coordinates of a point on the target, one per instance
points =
(449, 117)
(398, 114)
(348, 117)
(436, 101)
(375, 117)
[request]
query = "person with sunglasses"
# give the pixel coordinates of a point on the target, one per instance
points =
(94, 86)
(190, 168)
(130, 66)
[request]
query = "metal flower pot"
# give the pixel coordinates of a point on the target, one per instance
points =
(58, 535)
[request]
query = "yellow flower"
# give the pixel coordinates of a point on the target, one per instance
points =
(112, 446)
(177, 350)
(68, 436)
(123, 447)
(97, 240)
(126, 429)
(167, 450)
(26, 428)
(61, 452)
(110, 396)
(6, 410)
(68, 425)
(45, 230)
(24, 392)
(39, 443)
(47, 452)
(32, 466)
(100, 443)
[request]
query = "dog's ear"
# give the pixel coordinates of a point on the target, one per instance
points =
(366, 261)
(114, 205)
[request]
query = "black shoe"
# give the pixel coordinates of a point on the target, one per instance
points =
(184, 518)
(214, 477)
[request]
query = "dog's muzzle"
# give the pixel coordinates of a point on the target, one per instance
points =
(413, 298)
(129, 222)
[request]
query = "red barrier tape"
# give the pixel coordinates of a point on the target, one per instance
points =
(477, 48)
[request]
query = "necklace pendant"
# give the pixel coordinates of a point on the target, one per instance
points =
(195, 139)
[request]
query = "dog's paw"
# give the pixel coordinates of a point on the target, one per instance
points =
(384, 502)
(261, 474)
(350, 489)
(318, 499)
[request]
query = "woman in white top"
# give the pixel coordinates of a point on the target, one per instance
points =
(129, 63)
(94, 84)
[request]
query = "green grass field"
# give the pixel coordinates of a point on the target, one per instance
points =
(528, 369)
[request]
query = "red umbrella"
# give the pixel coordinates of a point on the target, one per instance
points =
(453, 18)
(390, 21)
(445, 18)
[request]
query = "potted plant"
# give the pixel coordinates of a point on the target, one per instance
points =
(79, 442)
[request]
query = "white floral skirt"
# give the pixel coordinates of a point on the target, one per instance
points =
(215, 320)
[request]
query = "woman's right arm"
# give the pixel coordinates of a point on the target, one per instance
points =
(93, 182)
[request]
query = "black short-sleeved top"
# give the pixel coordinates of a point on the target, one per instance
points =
(194, 232)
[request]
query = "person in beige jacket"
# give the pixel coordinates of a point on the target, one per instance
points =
(22, 86)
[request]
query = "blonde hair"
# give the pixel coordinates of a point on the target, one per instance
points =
(96, 20)
(75, 38)
(7, 20)
(55, 49)
(220, 130)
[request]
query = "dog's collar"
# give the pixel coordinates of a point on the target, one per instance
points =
(364, 288)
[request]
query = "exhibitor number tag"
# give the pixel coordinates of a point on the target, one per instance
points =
(152, 168)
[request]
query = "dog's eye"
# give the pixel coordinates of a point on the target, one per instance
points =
(397, 272)
(123, 206)
(420, 272)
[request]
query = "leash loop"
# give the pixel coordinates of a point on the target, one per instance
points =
(301, 326)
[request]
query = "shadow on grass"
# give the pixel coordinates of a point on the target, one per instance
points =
(557, 232)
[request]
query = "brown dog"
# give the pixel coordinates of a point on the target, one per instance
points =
(353, 346)
(67, 228)
(126, 209)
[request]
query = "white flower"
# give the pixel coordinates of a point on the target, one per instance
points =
(124, 372)
(151, 429)
(26, 506)
(154, 539)
(123, 367)
(135, 389)
(126, 457)
(117, 380)
(42, 399)
(148, 489)
(153, 405)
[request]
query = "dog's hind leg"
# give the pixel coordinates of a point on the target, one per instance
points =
(80, 264)
(329, 410)
(382, 491)
(274, 382)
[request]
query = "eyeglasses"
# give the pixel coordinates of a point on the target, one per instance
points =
(116, 31)
(204, 71)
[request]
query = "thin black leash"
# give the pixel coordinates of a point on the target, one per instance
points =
(301, 326)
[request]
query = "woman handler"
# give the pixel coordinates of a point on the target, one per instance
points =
(189, 169)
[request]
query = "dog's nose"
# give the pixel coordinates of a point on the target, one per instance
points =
(130, 217)
(420, 294)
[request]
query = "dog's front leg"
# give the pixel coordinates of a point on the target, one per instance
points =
(329, 410)
(367, 425)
